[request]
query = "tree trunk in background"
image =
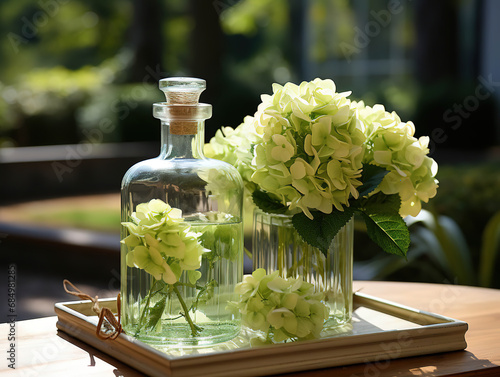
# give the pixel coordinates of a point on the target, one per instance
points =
(147, 40)
(206, 57)
(436, 47)
(295, 45)
(448, 109)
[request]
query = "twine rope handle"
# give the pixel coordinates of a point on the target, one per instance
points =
(112, 325)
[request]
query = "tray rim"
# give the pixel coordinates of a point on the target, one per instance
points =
(303, 355)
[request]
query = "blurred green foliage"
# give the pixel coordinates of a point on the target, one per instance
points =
(470, 195)
(247, 17)
(51, 32)
(54, 59)
(41, 108)
(64, 64)
(456, 239)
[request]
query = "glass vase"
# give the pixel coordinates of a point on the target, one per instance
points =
(276, 246)
(182, 234)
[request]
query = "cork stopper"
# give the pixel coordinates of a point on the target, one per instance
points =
(182, 108)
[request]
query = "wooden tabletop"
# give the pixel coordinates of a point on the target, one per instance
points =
(44, 351)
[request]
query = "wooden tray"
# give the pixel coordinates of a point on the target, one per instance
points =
(380, 330)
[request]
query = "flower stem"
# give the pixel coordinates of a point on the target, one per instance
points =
(146, 307)
(282, 239)
(194, 328)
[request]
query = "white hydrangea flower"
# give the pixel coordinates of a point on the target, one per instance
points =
(306, 146)
(310, 156)
(282, 309)
(391, 144)
(234, 146)
(161, 243)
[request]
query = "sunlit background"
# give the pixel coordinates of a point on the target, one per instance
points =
(78, 79)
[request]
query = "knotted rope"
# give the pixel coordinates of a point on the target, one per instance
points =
(112, 325)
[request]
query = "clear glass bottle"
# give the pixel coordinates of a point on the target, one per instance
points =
(183, 303)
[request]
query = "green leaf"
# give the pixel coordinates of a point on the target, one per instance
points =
(194, 276)
(384, 224)
(267, 204)
(489, 250)
(155, 313)
(371, 176)
(381, 202)
(320, 231)
(205, 294)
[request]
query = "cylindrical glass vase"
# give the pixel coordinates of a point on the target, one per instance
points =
(277, 246)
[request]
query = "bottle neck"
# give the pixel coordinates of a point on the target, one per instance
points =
(180, 145)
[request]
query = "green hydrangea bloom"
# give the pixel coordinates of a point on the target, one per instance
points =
(235, 146)
(306, 146)
(161, 243)
(283, 309)
(391, 144)
(311, 153)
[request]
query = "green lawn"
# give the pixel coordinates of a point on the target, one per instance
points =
(105, 220)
